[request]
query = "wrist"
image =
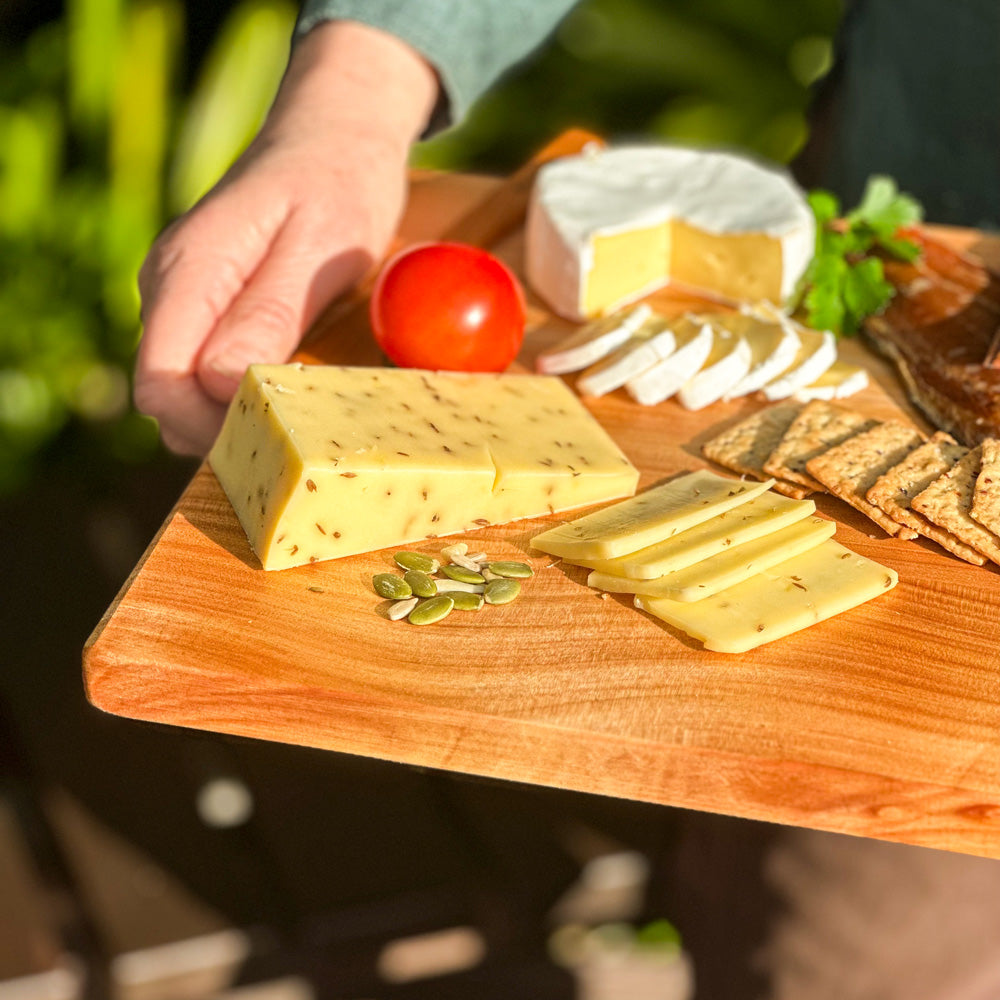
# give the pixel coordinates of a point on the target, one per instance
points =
(346, 78)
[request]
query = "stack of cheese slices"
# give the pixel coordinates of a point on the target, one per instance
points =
(727, 561)
(704, 357)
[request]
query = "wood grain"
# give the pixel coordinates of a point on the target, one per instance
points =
(883, 722)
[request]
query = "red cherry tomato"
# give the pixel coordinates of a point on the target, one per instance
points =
(448, 307)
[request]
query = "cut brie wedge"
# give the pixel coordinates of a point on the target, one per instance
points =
(652, 342)
(773, 348)
(837, 382)
(592, 341)
(817, 352)
(694, 344)
(727, 364)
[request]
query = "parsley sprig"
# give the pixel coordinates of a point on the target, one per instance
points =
(845, 281)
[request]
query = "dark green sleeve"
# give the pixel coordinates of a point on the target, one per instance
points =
(469, 42)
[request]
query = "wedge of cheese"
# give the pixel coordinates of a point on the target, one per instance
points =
(754, 519)
(652, 516)
(694, 339)
(727, 364)
(726, 568)
(608, 226)
(652, 342)
(773, 348)
(817, 352)
(320, 462)
(592, 341)
(839, 381)
(790, 596)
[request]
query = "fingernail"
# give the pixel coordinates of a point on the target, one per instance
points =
(222, 374)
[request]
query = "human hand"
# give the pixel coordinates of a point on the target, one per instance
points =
(306, 210)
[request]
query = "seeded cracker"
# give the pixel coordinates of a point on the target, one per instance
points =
(948, 502)
(745, 447)
(986, 498)
(819, 426)
(851, 469)
(895, 491)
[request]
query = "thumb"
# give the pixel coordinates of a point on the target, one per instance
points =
(269, 316)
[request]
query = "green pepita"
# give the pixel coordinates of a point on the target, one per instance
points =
(512, 570)
(502, 590)
(466, 602)
(422, 584)
(430, 611)
(391, 586)
(462, 574)
(417, 560)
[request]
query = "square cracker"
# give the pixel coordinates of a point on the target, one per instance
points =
(851, 469)
(745, 446)
(986, 497)
(948, 502)
(894, 491)
(820, 425)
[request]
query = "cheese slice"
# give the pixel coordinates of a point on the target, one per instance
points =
(754, 519)
(727, 363)
(610, 225)
(592, 341)
(725, 569)
(773, 348)
(652, 342)
(649, 517)
(837, 382)
(694, 338)
(817, 352)
(792, 595)
(320, 462)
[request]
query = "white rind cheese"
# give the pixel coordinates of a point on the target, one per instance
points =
(608, 226)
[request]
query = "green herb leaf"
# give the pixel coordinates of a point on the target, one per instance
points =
(845, 281)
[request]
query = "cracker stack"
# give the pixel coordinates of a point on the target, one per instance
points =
(907, 485)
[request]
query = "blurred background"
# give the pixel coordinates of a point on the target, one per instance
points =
(119, 841)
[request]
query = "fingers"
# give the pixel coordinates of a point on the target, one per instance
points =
(192, 275)
(189, 419)
(304, 269)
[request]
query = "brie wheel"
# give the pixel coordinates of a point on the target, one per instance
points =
(610, 225)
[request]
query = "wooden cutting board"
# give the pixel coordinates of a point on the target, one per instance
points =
(883, 722)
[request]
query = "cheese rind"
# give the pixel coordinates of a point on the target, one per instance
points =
(725, 569)
(793, 595)
(608, 226)
(321, 462)
(651, 516)
(652, 342)
(754, 519)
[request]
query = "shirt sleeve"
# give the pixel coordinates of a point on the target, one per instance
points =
(470, 43)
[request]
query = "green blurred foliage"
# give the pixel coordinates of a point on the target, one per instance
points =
(102, 141)
(100, 144)
(729, 73)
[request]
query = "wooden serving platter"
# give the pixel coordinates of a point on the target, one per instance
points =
(883, 722)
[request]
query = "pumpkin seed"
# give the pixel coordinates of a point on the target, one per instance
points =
(501, 590)
(391, 586)
(401, 608)
(513, 570)
(462, 574)
(416, 560)
(430, 611)
(464, 601)
(447, 586)
(422, 584)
